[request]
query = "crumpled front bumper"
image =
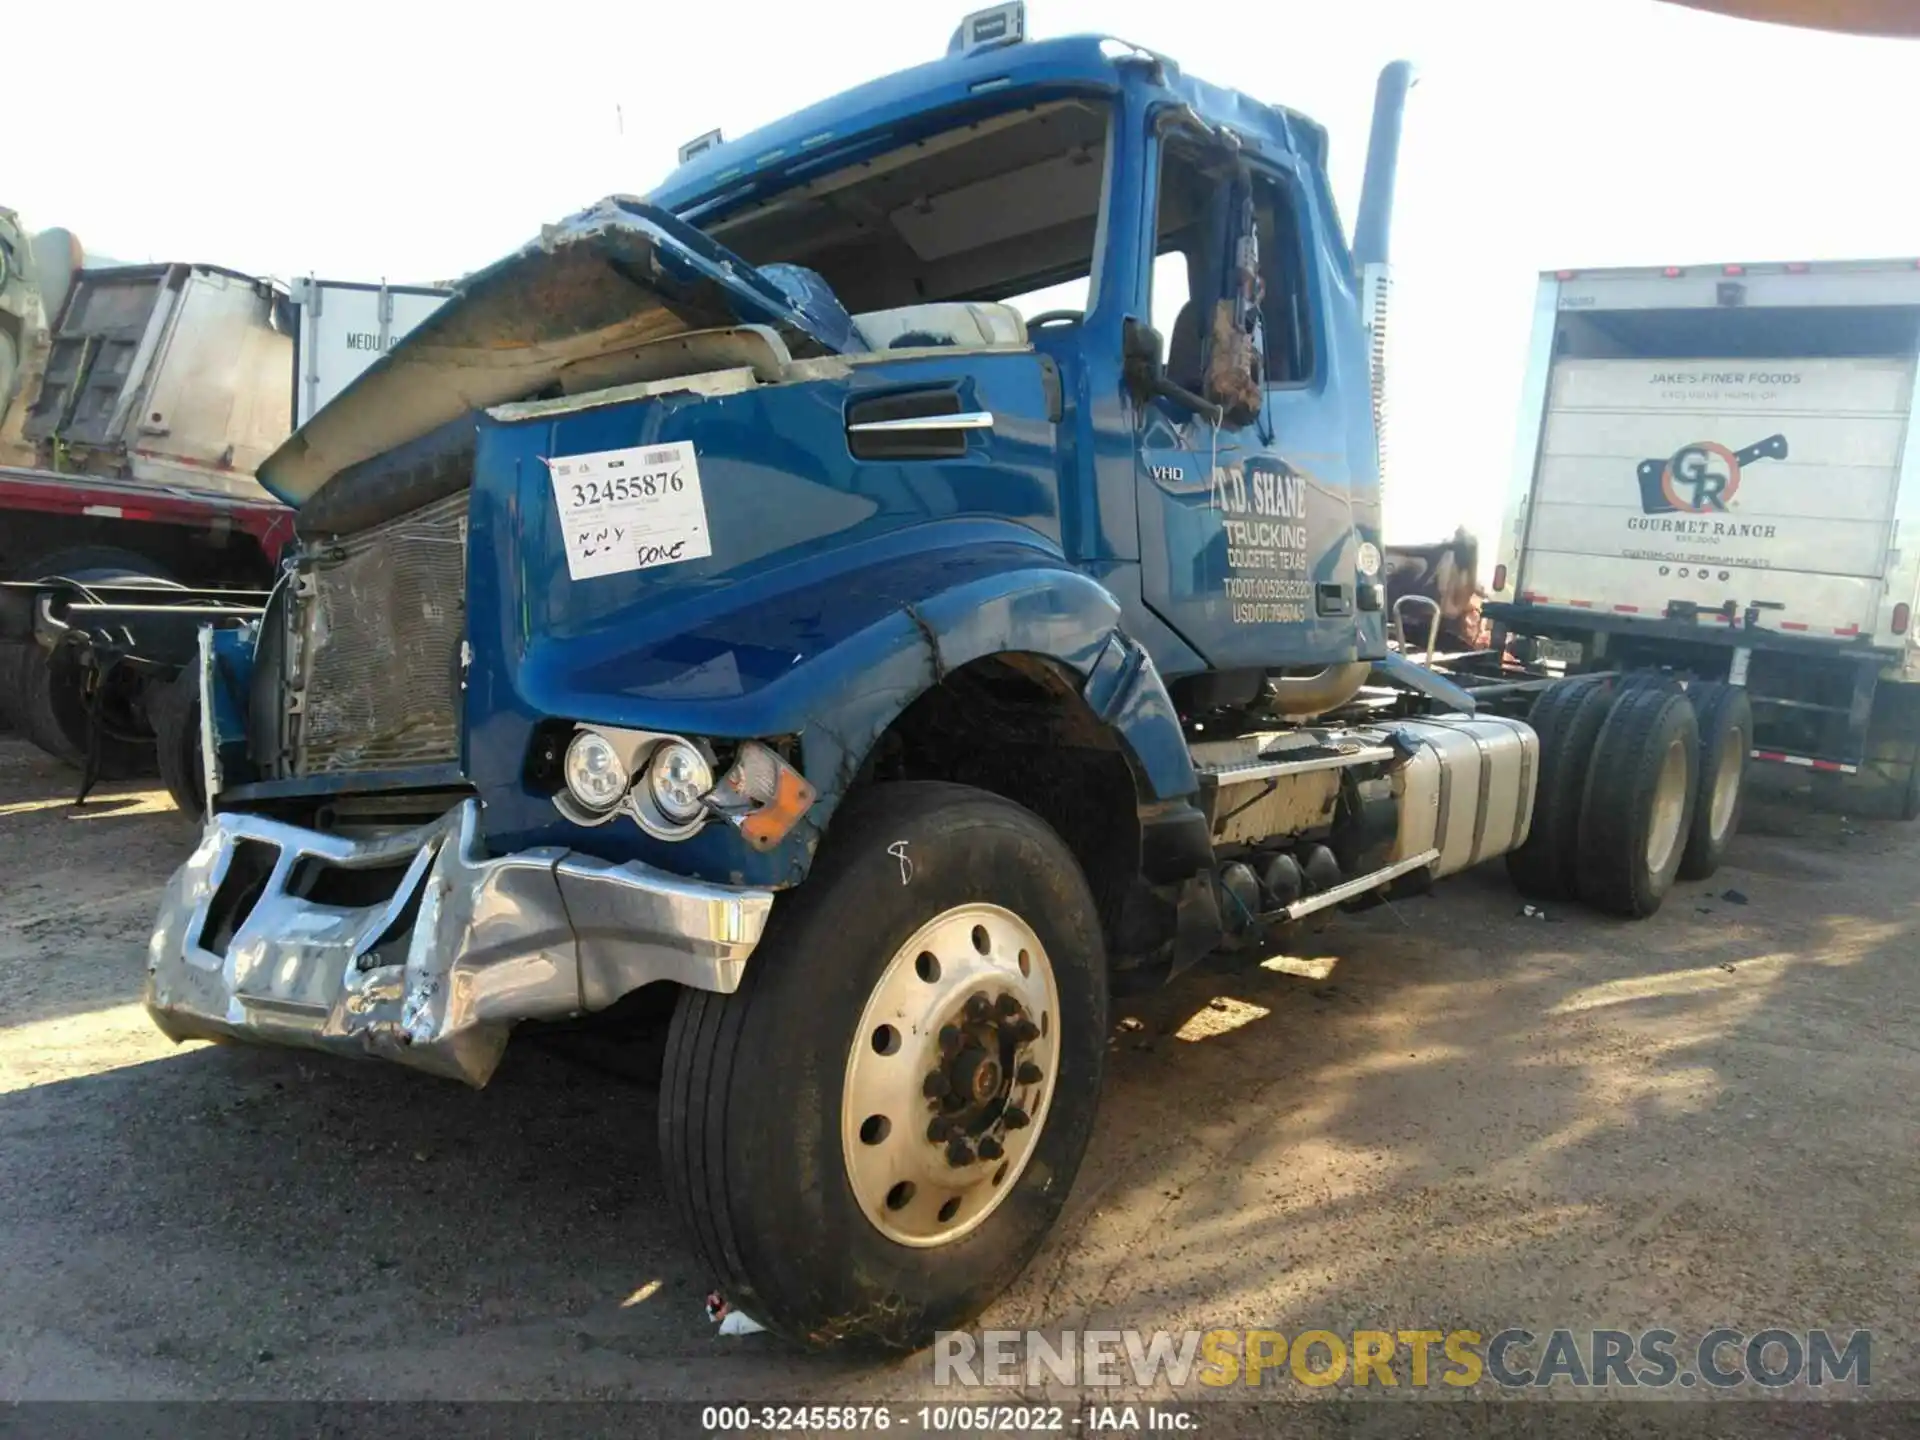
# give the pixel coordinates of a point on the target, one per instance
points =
(313, 949)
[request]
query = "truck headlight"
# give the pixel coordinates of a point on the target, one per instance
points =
(678, 778)
(595, 777)
(673, 786)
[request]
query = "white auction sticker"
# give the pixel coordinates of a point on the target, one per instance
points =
(630, 509)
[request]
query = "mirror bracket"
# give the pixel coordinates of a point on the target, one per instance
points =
(1144, 364)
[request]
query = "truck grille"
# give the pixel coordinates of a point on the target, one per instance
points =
(377, 645)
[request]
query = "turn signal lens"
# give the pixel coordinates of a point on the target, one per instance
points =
(1902, 615)
(1499, 577)
(768, 826)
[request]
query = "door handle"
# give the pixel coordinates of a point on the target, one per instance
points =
(971, 420)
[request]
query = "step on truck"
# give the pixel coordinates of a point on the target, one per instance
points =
(817, 591)
(1711, 484)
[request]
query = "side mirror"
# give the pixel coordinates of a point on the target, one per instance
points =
(1143, 357)
(1142, 346)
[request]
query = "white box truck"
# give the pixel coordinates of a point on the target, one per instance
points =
(345, 326)
(1708, 484)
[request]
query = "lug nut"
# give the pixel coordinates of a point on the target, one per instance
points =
(1026, 1032)
(1029, 1073)
(935, 1085)
(938, 1127)
(990, 1149)
(978, 1006)
(958, 1153)
(1016, 1118)
(1007, 1006)
(949, 1040)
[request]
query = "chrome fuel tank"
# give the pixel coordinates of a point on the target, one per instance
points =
(1467, 790)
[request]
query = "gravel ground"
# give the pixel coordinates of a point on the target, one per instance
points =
(1476, 1119)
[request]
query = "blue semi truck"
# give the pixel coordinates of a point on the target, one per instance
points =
(819, 591)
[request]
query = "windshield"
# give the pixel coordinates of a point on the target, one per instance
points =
(1003, 208)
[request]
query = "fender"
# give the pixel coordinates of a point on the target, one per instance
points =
(832, 659)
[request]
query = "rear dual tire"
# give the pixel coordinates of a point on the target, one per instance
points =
(1637, 809)
(1725, 717)
(48, 702)
(1567, 718)
(174, 709)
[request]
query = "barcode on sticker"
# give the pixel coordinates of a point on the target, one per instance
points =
(659, 457)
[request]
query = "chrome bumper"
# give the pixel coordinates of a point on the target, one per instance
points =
(436, 972)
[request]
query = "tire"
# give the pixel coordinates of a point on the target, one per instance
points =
(1567, 719)
(760, 1158)
(174, 709)
(10, 657)
(1888, 785)
(48, 703)
(1726, 737)
(1638, 804)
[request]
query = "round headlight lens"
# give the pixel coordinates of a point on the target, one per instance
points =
(595, 777)
(677, 778)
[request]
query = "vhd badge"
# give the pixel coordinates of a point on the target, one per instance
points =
(630, 509)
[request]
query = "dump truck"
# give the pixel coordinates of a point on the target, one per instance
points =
(136, 402)
(817, 594)
(1715, 479)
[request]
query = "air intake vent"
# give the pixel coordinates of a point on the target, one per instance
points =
(1378, 282)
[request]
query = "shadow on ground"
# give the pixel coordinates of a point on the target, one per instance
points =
(1475, 1120)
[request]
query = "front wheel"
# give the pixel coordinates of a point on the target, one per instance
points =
(869, 1139)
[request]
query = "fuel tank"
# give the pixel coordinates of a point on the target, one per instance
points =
(1467, 790)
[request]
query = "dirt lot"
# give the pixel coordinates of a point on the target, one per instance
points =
(1477, 1119)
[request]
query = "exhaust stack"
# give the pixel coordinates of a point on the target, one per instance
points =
(1373, 234)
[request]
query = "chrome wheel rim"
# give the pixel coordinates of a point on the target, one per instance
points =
(1669, 806)
(1726, 783)
(950, 1075)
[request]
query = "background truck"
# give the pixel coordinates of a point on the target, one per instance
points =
(136, 402)
(815, 594)
(343, 327)
(1715, 478)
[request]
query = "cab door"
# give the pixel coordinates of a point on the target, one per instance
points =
(1248, 540)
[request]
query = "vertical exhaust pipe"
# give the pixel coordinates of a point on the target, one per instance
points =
(1370, 235)
(1373, 235)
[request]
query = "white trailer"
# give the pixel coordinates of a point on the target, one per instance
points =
(343, 328)
(1708, 482)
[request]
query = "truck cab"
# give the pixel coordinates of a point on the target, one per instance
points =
(912, 575)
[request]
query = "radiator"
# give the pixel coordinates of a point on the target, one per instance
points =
(378, 628)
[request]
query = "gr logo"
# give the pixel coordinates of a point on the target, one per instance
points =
(1700, 477)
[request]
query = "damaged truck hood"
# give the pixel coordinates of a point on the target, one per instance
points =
(610, 279)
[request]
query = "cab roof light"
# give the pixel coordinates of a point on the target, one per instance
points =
(1733, 269)
(1798, 267)
(699, 145)
(990, 29)
(1674, 272)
